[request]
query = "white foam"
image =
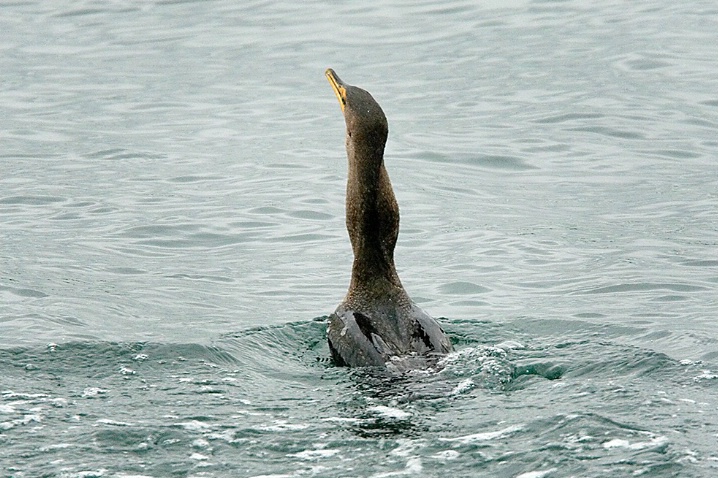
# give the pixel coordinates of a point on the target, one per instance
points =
(273, 476)
(9, 394)
(413, 466)
(57, 446)
(406, 447)
(107, 421)
(485, 436)
(91, 474)
(463, 386)
(511, 345)
(226, 435)
(315, 454)
(389, 412)
(536, 474)
(93, 392)
(705, 375)
(487, 360)
(194, 425)
(200, 443)
(33, 417)
(58, 402)
(447, 455)
(283, 425)
(619, 443)
(208, 389)
(342, 420)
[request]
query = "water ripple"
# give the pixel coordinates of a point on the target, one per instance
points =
(172, 216)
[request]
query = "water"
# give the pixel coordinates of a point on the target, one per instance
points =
(171, 222)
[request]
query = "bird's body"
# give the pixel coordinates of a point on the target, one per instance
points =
(377, 322)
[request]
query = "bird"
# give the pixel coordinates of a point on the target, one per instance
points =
(377, 324)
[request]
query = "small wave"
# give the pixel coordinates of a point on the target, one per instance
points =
(485, 436)
(272, 391)
(620, 443)
(31, 200)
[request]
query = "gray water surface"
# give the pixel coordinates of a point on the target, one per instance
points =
(172, 237)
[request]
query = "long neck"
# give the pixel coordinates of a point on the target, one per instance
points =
(372, 218)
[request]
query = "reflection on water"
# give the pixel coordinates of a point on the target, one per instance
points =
(171, 197)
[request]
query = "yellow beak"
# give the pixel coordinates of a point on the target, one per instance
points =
(338, 87)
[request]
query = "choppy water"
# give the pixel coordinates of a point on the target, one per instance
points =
(171, 227)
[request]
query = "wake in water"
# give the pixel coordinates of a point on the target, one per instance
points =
(267, 401)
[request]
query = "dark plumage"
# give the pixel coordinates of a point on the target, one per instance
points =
(377, 322)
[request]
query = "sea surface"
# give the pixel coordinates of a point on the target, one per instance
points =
(172, 238)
